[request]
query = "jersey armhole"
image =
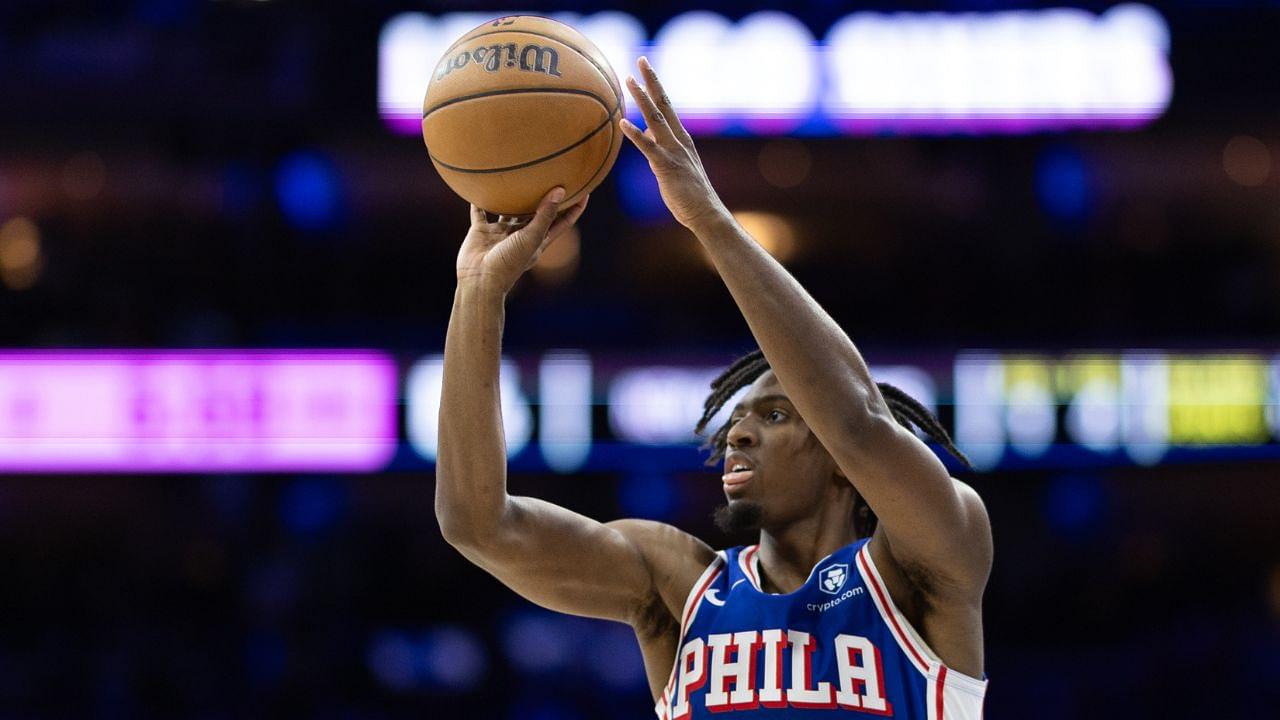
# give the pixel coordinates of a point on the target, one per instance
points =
(687, 615)
(913, 645)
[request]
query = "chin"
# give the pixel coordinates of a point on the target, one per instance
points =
(739, 516)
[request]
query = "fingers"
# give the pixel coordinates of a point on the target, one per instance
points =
(478, 216)
(637, 136)
(663, 101)
(567, 218)
(545, 214)
(653, 117)
(559, 228)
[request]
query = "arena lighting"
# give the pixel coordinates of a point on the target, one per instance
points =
(334, 411)
(1218, 399)
(196, 411)
(308, 189)
(1093, 418)
(422, 397)
(1144, 406)
(660, 405)
(979, 392)
(975, 72)
(1273, 398)
(1143, 402)
(564, 413)
(21, 259)
(1030, 410)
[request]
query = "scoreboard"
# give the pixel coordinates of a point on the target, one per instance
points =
(1143, 403)
(570, 410)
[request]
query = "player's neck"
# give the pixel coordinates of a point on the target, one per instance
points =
(788, 553)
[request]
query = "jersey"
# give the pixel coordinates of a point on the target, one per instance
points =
(836, 645)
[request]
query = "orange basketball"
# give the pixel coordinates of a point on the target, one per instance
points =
(518, 106)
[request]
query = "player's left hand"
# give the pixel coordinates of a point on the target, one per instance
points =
(496, 254)
(670, 151)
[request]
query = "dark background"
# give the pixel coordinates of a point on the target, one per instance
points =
(145, 139)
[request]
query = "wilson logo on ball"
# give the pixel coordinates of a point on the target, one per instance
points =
(517, 106)
(529, 58)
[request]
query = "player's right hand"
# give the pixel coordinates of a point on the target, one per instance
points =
(495, 254)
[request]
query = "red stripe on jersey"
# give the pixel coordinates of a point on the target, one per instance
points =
(942, 686)
(751, 567)
(884, 601)
(697, 600)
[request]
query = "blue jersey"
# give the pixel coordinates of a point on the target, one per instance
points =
(838, 644)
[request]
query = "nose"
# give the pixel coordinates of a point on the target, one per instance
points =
(741, 434)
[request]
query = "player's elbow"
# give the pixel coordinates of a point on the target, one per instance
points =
(461, 519)
(457, 533)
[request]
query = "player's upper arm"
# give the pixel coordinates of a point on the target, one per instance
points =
(931, 520)
(570, 563)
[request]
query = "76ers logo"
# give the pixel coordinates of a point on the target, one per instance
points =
(832, 577)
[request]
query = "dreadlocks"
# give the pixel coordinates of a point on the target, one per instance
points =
(745, 370)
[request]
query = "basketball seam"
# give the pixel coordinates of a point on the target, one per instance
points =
(617, 93)
(515, 91)
(483, 171)
(613, 131)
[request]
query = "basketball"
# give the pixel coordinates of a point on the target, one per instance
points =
(518, 106)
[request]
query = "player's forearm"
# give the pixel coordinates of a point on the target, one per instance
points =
(816, 362)
(471, 466)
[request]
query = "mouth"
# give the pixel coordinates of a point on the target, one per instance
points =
(738, 473)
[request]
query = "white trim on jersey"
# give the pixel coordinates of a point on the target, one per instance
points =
(748, 561)
(691, 603)
(949, 695)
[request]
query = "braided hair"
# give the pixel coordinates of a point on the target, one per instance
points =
(745, 370)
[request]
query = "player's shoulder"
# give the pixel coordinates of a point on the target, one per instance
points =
(675, 558)
(665, 543)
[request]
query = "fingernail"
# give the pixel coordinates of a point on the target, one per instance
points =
(557, 195)
(644, 60)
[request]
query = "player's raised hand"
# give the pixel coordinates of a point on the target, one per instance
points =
(670, 151)
(496, 254)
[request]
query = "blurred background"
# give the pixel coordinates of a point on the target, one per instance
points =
(226, 268)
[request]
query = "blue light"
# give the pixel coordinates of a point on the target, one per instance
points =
(638, 193)
(452, 658)
(309, 190)
(614, 658)
(1074, 503)
(311, 505)
(537, 641)
(446, 657)
(391, 660)
(650, 495)
(1062, 183)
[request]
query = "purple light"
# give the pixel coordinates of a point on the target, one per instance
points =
(1010, 124)
(402, 123)
(197, 411)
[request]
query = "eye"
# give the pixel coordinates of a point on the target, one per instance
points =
(777, 416)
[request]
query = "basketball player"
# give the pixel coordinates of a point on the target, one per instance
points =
(864, 593)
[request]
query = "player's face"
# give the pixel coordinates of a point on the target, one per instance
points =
(773, 460)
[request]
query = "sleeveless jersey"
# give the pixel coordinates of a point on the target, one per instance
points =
(836, 645)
